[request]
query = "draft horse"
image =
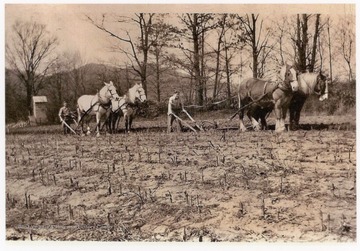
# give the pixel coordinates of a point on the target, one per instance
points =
(96, 105)
(309, 84)
(268, 95)
(133, 98)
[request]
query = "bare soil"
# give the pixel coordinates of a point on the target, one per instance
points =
(217, 185)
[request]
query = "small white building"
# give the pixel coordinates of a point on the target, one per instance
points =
(39, 104)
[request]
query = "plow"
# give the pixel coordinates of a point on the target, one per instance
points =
(188, 122)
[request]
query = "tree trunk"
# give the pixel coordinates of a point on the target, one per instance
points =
(144, 72)
(227, 67)
(29, 95)
(198, 83)
(203, 77)
(349, 61)
(218, 56)
(330, 54)
(217, 71)
(316, 35)
(254, 47)
(158, 91)
(302, 41)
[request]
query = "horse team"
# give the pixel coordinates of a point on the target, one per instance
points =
(258, 97)
(107, 101)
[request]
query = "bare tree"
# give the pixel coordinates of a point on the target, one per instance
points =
(30, 54)
(306, 52)
(139, 50)
(252, 36)
(221, 33)
(347, 43)
(73, 62)
(233, 46)
(197, 25)
(314, 45)
(161, 37)
(329, 48)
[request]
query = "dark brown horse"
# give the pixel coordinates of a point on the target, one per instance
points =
(268, 95)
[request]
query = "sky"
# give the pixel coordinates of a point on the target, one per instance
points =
(68, 21)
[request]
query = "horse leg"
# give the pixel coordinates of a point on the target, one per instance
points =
(241, 117)
(130, 122)
(253, 114)
(108, 121)
(117, 122)
(112, 122)
(283, 112)
(98, 124)
(280, 125)
(295, 107)
(263, 114)
(298, 110)
(126, 119)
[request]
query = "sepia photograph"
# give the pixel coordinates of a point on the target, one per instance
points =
(180, 122)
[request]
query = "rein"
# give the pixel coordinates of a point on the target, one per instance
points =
(280, 86)
(210, 104)
(125, 104)
(88, 111)
(249, 104)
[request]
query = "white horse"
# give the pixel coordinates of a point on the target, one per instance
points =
(96, 105)
(132, 98)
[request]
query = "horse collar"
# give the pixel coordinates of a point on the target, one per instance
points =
(309, 89)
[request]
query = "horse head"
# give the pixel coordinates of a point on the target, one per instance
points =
(289, 76)
(109, 91)
(139, 93)
(321, 87)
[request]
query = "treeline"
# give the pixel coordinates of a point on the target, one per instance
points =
(204, 55)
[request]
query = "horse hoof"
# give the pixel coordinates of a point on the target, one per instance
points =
(98, 135)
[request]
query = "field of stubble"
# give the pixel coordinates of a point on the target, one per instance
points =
(212, 186)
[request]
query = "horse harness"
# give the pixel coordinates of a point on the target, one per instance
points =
(311, 90)
(280, 86)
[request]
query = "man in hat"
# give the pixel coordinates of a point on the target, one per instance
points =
(175, 106)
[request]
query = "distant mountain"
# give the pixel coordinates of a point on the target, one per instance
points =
(88, 79)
